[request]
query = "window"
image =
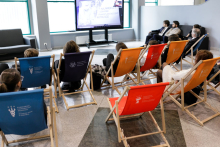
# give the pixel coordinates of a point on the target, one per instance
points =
(151, 2)
(175, 2)
(126, 13)
(62, 15)
(15, 14)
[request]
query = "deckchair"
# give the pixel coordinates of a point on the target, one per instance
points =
(190, 52)
(22, 113)
(202, 70)
(153, 56)
(140, 99)
(175, 51)
(127, 62)
(36, 72)
(77, 67)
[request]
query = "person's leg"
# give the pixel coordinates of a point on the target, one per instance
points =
(3, 67)
(159, 76)
(165, 39)
(157, 37)
(104, 61)
(148, 38)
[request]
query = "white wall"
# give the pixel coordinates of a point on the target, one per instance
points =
(206, 14)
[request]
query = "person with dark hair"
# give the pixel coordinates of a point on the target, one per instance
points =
(173, 37)
(174, 30)
(10, 81)
(70, 47)
(160, 32)
(143, 59)
(110, 57)
(190, 33)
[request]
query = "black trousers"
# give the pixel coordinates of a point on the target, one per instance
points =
(161, 38)
(107, 63)
(3, 67)
(148, 38)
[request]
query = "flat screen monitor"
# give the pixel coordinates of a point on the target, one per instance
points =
(99, 14)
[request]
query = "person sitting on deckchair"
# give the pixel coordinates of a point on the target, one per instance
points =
(11, 80)
(70, 47)
(110, 57)
(173, 37)
(167, 74)
(143, 59)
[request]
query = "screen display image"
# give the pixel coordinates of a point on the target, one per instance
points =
(99, 14)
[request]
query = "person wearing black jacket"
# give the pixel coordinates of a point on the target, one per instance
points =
(160, 32)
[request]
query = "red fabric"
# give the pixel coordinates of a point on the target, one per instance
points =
(140, 99)
(153, 55)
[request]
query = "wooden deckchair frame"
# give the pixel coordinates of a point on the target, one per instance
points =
(116, 118)
(191, 49)
(52, 126)
(61, 92)
(52, 75)
(125, 76)
(216, 86)
(202, 100)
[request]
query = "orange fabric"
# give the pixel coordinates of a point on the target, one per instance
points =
(153, 55)
(175, 50)
(140, 99)
(200, 74)
(128, 60)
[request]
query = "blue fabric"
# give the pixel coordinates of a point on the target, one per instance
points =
(76, 65)
(36, 71)
(22, 113)
(198, 44)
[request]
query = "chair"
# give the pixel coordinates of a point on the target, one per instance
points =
(36, 72)
(22, 113)
(216, 85)
(202, 70)
(191, 51)
(153, 56)
(175, 51)
(140, 99)
(77, 67)
(127, 62)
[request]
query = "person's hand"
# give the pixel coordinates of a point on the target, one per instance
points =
(150, 32)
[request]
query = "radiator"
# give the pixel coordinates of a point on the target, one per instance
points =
(85, 39)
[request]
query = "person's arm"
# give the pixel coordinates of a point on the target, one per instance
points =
(180, 74)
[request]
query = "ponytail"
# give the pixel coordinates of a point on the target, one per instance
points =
(3, 88)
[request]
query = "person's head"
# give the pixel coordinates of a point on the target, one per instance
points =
(175, 24)
(153, 42)
(10, 80)
(71, 47)
(31, 52)
(196, 26)
(166, 23)
(120, 45)
(195, 32)
(203, 55)
(173, 37)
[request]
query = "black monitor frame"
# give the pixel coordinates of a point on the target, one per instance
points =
(101, 28)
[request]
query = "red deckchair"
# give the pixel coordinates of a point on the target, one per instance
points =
(140, 99)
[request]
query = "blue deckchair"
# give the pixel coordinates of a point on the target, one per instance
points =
(77, 67)
(36, 72)
(194, 49)
(22, 113)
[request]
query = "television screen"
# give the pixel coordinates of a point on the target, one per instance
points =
(99, 14)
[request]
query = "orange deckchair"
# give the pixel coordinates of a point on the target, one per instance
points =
(203, 68)
(127, 62)
(140, 99)
(176, 49)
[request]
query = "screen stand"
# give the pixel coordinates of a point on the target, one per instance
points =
(98, 42)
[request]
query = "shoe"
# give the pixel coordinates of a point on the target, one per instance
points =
(65, 87)
(142, 46)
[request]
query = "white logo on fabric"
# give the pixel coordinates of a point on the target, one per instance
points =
(72, 64)
(31, 69)
(138, 100)
(12, 110)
